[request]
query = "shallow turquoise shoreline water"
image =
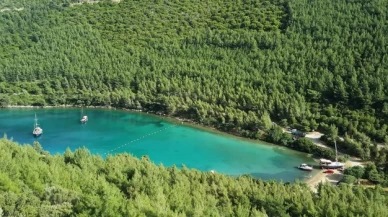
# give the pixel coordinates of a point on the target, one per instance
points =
(164, 141)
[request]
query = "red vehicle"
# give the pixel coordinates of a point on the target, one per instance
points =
(329, 171)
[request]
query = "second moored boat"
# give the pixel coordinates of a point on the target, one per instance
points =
(37, 130)
(84, 118)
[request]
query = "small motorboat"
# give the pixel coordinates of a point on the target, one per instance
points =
(305, 167)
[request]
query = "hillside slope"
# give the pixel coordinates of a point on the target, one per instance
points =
(34, 183)
(233, 65)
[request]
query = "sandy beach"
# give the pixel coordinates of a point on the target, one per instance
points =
(322, 177)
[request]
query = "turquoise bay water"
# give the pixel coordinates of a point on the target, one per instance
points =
(166, 142)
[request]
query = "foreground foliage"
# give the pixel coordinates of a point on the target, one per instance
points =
(34, 183)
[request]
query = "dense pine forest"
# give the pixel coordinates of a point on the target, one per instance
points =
(230, 64)
(237, 65)
(34, 183)
(234, 65)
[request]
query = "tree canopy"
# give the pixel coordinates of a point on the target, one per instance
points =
(235, 65)
(223, 63)
(35, 183)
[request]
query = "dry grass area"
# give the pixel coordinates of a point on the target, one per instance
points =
(91, 2)
(372, 186)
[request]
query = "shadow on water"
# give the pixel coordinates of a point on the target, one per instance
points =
(140, 121)
(286, 176)
(275, 176)
(159, 124)
(280, 162)
(287, 151)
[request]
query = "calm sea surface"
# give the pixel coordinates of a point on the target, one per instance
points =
(112, 131)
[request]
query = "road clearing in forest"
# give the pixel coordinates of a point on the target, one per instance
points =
(11, 9)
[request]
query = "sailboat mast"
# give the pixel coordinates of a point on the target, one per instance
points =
(335, 144)
(36, 121)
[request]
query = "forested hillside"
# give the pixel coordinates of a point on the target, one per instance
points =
(224, 63)
(34, 183)
(236, 65)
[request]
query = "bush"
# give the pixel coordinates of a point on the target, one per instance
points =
(356, 171)
(374, 176)
(324, 152)
(305, 145)
(343, 158)
(4, 100)
(349, 179)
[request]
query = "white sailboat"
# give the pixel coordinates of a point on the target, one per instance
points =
(328, 164)
(84, 118)
(37, 130)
